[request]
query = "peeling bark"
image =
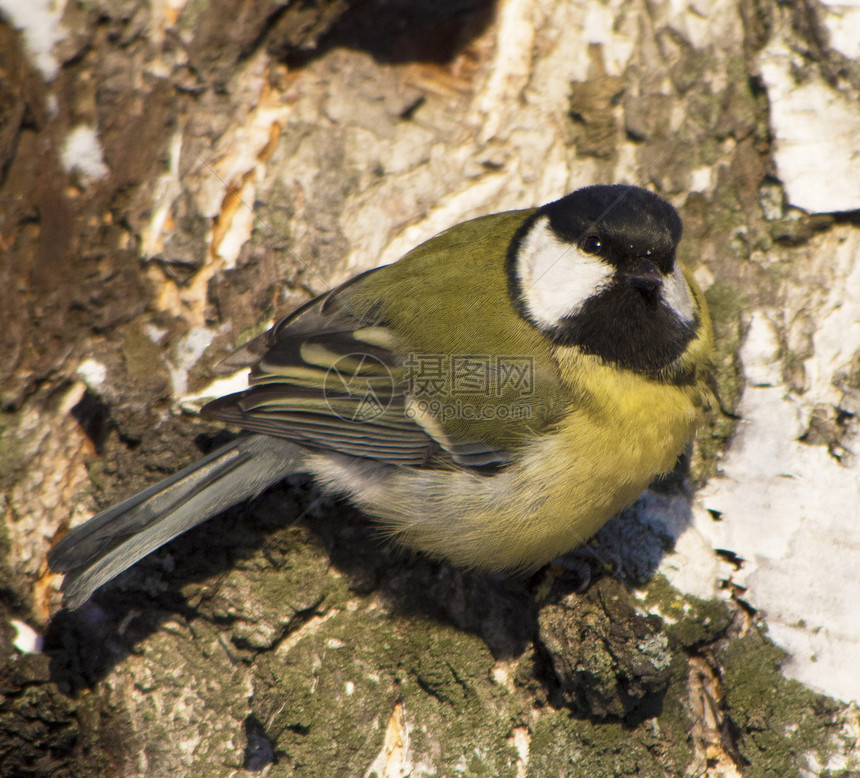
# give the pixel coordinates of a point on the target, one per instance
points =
(251, 154)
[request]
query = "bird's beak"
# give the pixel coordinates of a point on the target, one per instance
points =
(644, 275)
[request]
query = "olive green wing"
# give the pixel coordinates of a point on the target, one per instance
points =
(330, 378)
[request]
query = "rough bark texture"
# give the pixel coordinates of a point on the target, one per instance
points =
(250, 154)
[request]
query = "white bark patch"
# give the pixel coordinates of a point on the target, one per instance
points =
(818, 158)
(82, 153)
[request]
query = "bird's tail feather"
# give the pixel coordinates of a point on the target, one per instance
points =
(113, 540)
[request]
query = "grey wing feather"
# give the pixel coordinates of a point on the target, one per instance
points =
(321, 315)
(318, 381)
(361, 411)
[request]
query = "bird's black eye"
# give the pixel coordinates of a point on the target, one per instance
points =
(591, 244)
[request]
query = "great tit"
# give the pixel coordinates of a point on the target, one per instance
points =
(492, 398)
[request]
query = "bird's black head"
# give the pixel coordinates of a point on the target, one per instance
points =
(596, 269)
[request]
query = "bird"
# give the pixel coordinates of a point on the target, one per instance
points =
(491, 399)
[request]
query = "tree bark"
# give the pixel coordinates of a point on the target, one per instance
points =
(174, 176)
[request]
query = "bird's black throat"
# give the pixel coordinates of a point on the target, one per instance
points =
(628, 328)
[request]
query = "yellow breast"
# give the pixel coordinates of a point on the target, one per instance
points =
(622, 431)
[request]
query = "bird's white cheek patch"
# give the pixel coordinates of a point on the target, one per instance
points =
(556, 278)
(677, 295)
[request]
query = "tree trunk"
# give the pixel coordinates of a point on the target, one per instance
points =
(176, 175)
